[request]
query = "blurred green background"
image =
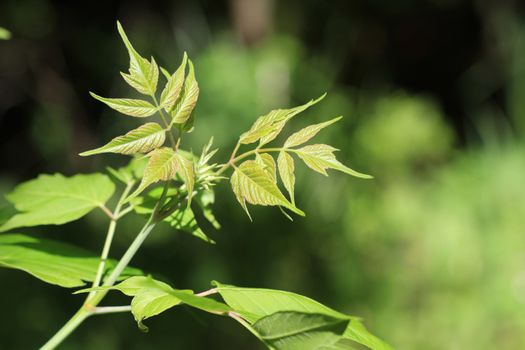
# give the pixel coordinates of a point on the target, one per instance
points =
(431, 252)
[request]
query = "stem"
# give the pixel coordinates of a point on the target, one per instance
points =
(109, 240)
(111, 309)
(66, 330)
(106, 211)
(234, 159)
(164, 120)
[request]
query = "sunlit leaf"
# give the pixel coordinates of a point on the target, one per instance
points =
(267, 127)
(255, 303)
(286, 172)
(251, 183)
(307, 133)
(268, 163)
(357, 332)
(128, 106)
(144, 139)
(151, 297)
(56, 199)
(52, 262)
(173, 87)
(130, 173)
(320, 157)
(291, 330)
(187, 173)
(188, 99)
(143, 74)
(163, 164)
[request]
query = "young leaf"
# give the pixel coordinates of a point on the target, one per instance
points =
(286, 172)
(144, 139)
(268, 163)
(51, 261)
(128, 106)
(290, 330)
(151, 297)
(320, 157)
(173, 87)
(143, 75)
(188, 99)
(187, 173)
(252, 184)
(55, 199)
(163, 164)
(307, 133)
(267, 127)
(130, 173)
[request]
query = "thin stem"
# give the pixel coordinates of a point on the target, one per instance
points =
(109, 239)
(234, 159)
(165, 121)
(207, 292)
(243, 322)
(66, 330)
(106, 211)
(111, 309)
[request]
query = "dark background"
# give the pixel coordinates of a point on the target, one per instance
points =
(430, 253)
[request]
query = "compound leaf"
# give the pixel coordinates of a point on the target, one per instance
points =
(56, 199)
(251, 183)
(267, 127)
(181, 112)
(143, 74)
(163, 164)
(50, 261)
(307, 133)
(320, 157)
(286, 172)
(144, 139)
(128, 106)
(291, 330)
(173, 87)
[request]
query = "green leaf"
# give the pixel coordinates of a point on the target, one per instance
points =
(255, 303)
(187, 173)
(128, 106)
(163, 165)
(173, 87)
(357, 332)
(188, 99)
(143, 74)
(4, 34)
(268, 163)
(56, 199)
(130, 173)
(307, 133)
(205, 200)
(286, 172)
(144, 139)
(252, 184)
(290, 330)
(267, 127)
(50, 261)
(320, 157)
(184, 219)
(151, 297)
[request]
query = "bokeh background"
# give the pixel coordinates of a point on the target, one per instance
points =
(431, 252)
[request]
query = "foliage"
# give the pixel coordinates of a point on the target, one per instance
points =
(168, 184)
